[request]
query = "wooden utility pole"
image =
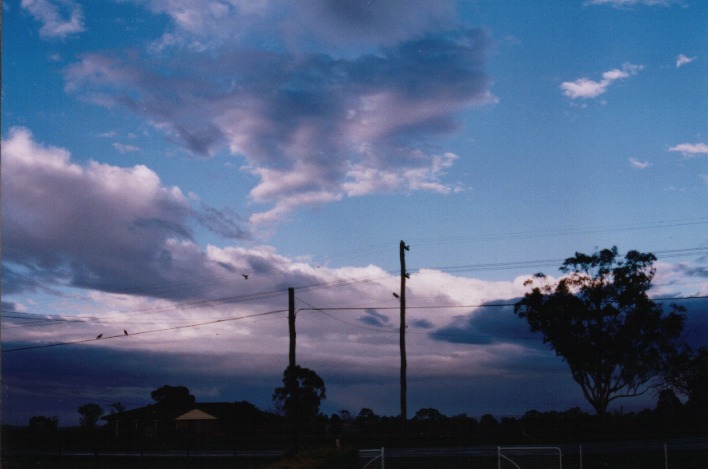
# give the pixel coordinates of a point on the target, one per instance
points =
(291, 325)
(402, 336)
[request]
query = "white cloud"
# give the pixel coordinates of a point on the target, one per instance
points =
(683, 60)
(59, 18)
(586, 88)
(89, 225)
(691, 149)
(629, 3)
(125, 148)
(639, 164)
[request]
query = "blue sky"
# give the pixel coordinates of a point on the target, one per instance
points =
(156, 150)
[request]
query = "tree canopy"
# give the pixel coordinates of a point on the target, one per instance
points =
(173, 396)
(301, 394)
(90, 413)
(687, 373)
(599, 318)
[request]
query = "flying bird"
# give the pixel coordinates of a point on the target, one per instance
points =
(396, 295)
(125, 332)
(245, 276)
(99, 336)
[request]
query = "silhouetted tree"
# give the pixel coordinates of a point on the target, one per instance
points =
(600, 319)
(429, 414)
(300, 395)
(90, 413)
(42, 424)
(367, 417)
(687, 373)
(117, 408)
(488, 427)
(173, 396)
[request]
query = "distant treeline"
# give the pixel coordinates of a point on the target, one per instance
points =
(428, 427)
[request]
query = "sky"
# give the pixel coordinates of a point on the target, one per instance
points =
(171, 167)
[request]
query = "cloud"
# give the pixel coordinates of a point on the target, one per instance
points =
(691, 149)
(313, 128)
(226, 223)
(59, 18)
(586, 88)
(683, 60)
(638, 164)
(488, 324)
(333, 26)
(95, 226)
(125, 148)
(630, 3)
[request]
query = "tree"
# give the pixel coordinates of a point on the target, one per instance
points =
(429, 414)
(90, 413)
(117, 408)
(599, 318)
(173, 396)
(42, 424)
(687, 373)
(301, 394)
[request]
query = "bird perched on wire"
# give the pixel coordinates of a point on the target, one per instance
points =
(245, 276)
(99, 336)
(125, 332)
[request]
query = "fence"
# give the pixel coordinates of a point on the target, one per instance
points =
(372, 455)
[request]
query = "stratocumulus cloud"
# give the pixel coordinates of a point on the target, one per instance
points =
(313, 128)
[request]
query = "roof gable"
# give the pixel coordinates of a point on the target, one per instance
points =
(196, 414)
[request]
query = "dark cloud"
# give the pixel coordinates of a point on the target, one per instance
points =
(57, 380)
(488, 325)
(374, 318)
(421, 324)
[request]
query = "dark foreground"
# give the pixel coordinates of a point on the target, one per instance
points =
(684, 453)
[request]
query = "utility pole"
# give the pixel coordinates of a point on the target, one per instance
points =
(402, 337)
(291, 325)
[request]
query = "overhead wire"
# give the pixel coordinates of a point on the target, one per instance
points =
(164, 329)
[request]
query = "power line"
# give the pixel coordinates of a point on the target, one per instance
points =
(187, 326)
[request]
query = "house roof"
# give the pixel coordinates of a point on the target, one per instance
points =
(196, 414)
(225, 411)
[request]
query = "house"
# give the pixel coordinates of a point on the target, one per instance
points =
(198, 419)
